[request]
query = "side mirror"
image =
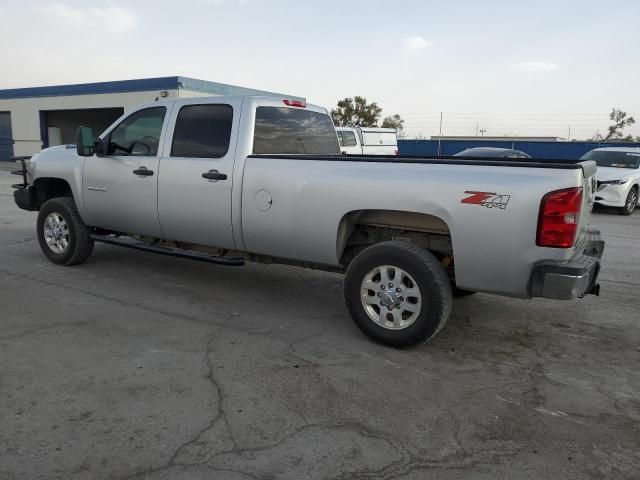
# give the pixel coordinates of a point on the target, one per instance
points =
(85, 145)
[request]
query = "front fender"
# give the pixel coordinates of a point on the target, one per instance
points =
(60, 163)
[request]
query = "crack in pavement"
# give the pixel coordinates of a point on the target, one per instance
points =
(213, 460)
(343, 426)
(219, 414)
(195, 440)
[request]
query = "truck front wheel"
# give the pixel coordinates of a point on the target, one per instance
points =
(63, 236)
(397, 293)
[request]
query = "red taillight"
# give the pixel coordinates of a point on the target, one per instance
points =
(559, 216)
(295, 103)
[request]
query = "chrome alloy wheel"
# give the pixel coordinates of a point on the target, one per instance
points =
(632, 200)
(391, 297)
(56, 233)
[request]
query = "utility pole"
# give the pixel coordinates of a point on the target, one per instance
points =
(483, 131)
(476, 129)
(440, 135)
(569, 134)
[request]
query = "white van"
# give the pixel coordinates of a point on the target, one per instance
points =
(367, 140)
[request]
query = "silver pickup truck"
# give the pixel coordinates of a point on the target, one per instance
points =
(234, 179)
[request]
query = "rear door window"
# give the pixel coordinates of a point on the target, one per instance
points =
(281, 130)
(202, 131)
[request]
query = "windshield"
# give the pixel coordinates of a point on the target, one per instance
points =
(281, 130)
(604, 158)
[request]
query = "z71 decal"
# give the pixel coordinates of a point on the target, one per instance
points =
(487, 199)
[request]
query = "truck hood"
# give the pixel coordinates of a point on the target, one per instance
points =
(50, 161)
(613, 173)
(59, 147)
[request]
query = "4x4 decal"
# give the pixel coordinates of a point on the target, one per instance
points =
(487, 199)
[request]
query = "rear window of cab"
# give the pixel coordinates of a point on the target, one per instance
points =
(283, 130)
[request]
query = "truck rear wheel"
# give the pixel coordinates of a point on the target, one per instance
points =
(397, 293)
(63, 236)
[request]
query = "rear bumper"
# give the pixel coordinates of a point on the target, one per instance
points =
(573, 279)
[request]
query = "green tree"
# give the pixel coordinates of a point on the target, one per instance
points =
(631, 138)
(621, 120)
(396, 122)
(356, 112)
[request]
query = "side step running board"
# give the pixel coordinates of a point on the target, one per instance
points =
(172, 252)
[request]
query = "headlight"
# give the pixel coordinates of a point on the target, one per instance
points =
(614, 182)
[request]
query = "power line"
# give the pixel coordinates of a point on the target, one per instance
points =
(558, 124)
(595, 114)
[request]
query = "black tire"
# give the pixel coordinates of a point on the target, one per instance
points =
(459, 292)
(631, 202)
(79, 244)
(430, 278)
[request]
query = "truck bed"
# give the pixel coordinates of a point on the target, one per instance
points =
(306, 200)
(436, 160)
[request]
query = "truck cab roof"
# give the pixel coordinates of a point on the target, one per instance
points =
(255, 99)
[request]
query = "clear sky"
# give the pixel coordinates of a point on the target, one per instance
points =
(525, 67)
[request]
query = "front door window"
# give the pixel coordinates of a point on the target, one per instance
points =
(138, 134)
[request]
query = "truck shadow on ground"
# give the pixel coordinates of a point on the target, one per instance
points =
(264, 297)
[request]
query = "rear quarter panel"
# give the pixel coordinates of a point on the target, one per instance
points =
(494, 248)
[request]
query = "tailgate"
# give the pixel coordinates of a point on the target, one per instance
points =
(589, 187)
(578, 276)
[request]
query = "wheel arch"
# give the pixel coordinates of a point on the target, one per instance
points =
(46, 188)
(354, 222)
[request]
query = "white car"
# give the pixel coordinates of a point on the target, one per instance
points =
(618, 177)
(367, 140)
